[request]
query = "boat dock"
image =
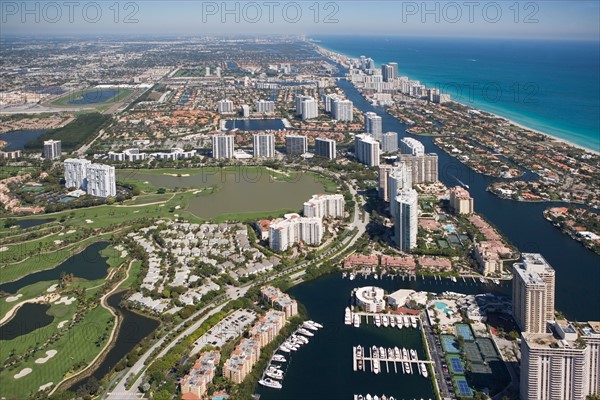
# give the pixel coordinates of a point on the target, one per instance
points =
(389, 363)
(372, 316)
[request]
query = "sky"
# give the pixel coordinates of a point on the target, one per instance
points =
(549, 19)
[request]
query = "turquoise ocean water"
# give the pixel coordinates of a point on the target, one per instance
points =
(550, 86)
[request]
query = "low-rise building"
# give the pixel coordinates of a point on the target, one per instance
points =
(194, 384)
(325, 205)
(281, 301)
(370, 298)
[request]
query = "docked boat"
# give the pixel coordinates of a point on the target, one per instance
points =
(310, 325)
(360, 397)
(405, 354)
(356, 321)
(423, 368)
(377, 319)
(407, 367)
(279, 358)
(375, 276)
(392, 321)
(386, 321)
(381, 352)
(359, 351)
(352, 276)
(368, 397)
(399, 322)
(305, 332)
(348, 316)
(375, 352)
(482, 280)
(284, 348)
(376, 368)
(406, 321)
(375, 397)
(413, 355)
(413, 322)
(268, 382)
(390, 353)
(318, 325)
(453, 279)
(396, 353)
(496, 281)
(274, 373)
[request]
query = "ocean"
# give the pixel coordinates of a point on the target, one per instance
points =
(547, 85)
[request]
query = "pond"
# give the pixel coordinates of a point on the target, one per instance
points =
(88, 264)
(94, 96)
(16, 140)
(28, 318)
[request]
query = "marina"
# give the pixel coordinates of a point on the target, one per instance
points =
(398, 321)
(394, 360)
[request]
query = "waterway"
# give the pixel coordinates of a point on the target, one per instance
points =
(133, 330)
(29, 317)
(246, 190)
(577, 268)
(16, 140)
(88, 264)
(322, 369)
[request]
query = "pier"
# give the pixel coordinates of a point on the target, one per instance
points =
(366, 316)
(389, 362)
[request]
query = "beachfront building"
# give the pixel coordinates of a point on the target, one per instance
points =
(295, 229)
(76, 172)
(424, 167)
(281, 301)
(222, 146)
(366, 149)
(389, 142)
(461, 201)
(533, 293)
(52, 149)
(296, 144)
(370, 299)
(325, 148)
(325, 205)
(194, 384)
(263, 145)
(101, 181)
(373, 125)
(405, 219)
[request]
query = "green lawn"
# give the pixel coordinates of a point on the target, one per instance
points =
(148, 199)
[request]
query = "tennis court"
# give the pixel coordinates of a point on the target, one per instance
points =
(488, 351)
(472, 352)
(449, 344)
(456, 366)
(464, 330)
(462, 387)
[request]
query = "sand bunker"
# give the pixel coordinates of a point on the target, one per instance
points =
(24, 372)
(49, 355)
(3, 249)
(58, 241)
(61, 324)
(10, 299)
(61, 234)
(89, 221)
(52, 288)
(66, 300)
(71, 231)
(46, 386)
(124, 254)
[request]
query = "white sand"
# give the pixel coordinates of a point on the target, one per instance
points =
(49, 355)
(176, 215)
(136, 211)
(61, 324)
(46, 386)
(177, 207)
(162, 205)
(65, 300)
(89, 221)
(123, 254)
(70, 231)
(58, 241)
(198, 191)
(3, 249)
(24, 372)
(52, 288)
(146, 182)
(61, 234)
(10, 299)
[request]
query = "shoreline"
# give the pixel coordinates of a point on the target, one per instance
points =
(324, 50)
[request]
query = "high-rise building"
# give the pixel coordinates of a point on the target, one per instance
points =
(400, 178)
(389, 142)
(265, 107)
(328, 100)
(222, 146)
(325, 205)
(309, 108)
(341, 110)
(264, 145)
(245, 110)
(76, 172)
(325, 148)
(373, 125)
(366, 149)
(533, 293)
(406, 219)
(461, 201)
(394, 66)
(295, 229)
(225, 106)
(387, 72)
(424, 167)
(411, 146)
(52, 149)
(384, 173)
(299, 99)
(101, 181)
(296, 144)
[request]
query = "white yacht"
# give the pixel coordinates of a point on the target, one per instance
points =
(406, 321)
(386, 321)
(279, 358)
(369, 397)
(396, 353)
(356, 321)
(392, 321)
(381, 352)
(305, 332)
(377, 319)
(399, 322)
(284, 348)
(407, 367)
(348, 316)
(413, 354)
(390, 352)
(268, 382)
(310, 325)
(274, 373)
(376, 368)
(413, 322)
(423, 368)
(405, 354)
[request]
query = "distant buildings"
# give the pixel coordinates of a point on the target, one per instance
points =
(225, 106)
(295, 229)
(411, 146)
(265, 107)
(306, 107)
(424, 167)
(325, 148)
(373, 125)
(325, 205)
(222, 146)
(281, 301)
(200, 375)
(342, 110)
(367, 150)
(533, 293)
(389, 142)
(76, 172)
(245, 110)
(52, 149)
(296, 144)
(174, 154)
(131, 155)
(263, 145)
(101, 181)
(406, 219)
(10, 155)
(461, 201)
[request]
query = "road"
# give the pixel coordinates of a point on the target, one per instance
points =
(435, 350)
(122, 393)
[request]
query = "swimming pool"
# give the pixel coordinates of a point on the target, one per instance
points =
(440, 305)
(449, 228)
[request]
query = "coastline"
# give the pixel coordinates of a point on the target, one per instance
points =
(323, 50)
